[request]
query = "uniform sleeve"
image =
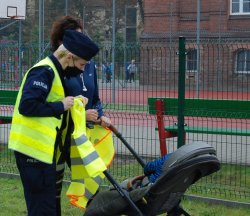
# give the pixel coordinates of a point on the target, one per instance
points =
(35, 92)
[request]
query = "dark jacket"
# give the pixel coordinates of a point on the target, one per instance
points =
(86, 84)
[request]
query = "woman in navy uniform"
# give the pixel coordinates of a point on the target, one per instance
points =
(40, 117)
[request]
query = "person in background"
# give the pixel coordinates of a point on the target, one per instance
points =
(126, 72)
(40, 117)
(132, 70)
(104, 66)
(108, 73)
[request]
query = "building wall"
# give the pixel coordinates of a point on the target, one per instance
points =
(166, 20)
(215, 16)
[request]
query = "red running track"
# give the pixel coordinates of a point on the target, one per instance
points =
(135, 96)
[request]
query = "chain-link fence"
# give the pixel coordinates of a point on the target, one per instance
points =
(223, 74)
(217, 67)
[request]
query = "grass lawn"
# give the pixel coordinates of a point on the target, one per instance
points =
(230, 183)
(12, 203)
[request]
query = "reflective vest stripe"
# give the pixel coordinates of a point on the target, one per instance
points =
(34, 125)
(87, 194)
(79, 181)
(98, 180)
(90, 170)
(92, 184)
(33, 143)
(87, 160)
(80, 140)
(28, 132)
(43, 154)
(79, 152)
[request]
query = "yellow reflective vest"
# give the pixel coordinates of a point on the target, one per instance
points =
(88, 160)
(36, 136)
(102, 140)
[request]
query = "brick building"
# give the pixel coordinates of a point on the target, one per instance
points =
(222, 46)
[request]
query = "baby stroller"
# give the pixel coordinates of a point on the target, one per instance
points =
(183, 168)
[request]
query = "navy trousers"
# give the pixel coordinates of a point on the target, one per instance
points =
(39, 184)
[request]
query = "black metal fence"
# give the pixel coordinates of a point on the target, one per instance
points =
(215, 69)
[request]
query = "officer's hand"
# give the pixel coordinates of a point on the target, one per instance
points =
(68, 102)
(105, 121)
(91, 115)
(84, 99)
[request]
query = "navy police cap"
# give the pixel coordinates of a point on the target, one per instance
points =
(79, 44)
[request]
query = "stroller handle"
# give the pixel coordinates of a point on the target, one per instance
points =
(114, 129)
(132, 151)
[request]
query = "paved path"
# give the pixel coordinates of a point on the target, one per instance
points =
(139, 128)
(139, 131)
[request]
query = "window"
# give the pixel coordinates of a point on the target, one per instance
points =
(131, 16)
(192, 60)
(130, 25)
(239, 7)
(243, 61)
(131, 35)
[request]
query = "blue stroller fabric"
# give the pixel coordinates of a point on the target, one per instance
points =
(153, 169)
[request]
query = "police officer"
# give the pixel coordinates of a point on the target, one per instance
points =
(86, 83)
(40, 118)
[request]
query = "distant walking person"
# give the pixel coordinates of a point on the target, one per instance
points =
(132, 70)
(108, 73)
(126, 72)
(104, 66)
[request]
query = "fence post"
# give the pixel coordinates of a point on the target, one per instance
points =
(19, 71)
(181, 91)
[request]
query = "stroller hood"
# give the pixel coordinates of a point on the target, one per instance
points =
(184, 167)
